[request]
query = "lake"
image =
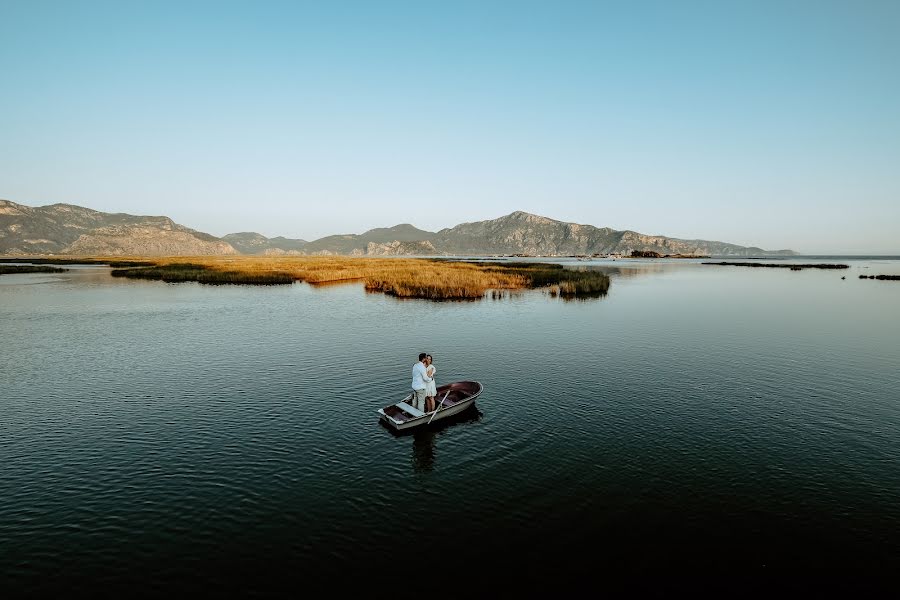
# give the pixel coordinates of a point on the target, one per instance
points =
(704, 420)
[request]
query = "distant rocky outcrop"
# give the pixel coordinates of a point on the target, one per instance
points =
(280, 252)
(254, 243)
(398, 248)
(359, 244)
(69, 229)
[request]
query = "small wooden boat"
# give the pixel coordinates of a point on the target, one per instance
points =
(456, 397)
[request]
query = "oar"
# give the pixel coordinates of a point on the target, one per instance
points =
(439, 406)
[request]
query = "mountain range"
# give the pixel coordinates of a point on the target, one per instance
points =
(70, 229)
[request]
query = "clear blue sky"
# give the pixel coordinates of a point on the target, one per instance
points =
(775, 124)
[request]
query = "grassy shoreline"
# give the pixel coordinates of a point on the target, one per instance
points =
(433, 279)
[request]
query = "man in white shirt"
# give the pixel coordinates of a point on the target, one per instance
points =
(419, 382)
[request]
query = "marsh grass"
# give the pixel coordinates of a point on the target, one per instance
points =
(585, 286)
(434, 279)
(10, 269)
(181, 272)
(558, 280)
(127, 263)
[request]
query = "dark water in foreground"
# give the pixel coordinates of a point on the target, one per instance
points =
(698, 420)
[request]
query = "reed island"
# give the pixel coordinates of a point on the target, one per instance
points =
(434, 279)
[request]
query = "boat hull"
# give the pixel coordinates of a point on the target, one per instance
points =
(457, 396)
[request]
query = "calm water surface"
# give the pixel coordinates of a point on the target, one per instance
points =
(698, 419)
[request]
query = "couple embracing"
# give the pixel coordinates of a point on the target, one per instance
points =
(424, 388)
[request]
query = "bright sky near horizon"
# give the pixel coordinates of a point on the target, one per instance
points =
(773, 124)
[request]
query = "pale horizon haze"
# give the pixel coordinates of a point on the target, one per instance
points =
(769, 124)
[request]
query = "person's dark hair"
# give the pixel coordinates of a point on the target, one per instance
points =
(430, 356)
(422, 356)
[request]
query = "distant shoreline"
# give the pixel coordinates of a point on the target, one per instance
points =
(15, 269)
(791, 266)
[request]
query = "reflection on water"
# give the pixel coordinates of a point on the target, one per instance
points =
(583, 297)
(425, 437)
(423, 450)
(635, 269)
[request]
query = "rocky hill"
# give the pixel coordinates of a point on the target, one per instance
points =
(69, 229)
(524, 233)
(359, 244)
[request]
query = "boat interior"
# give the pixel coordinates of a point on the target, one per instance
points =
(451, 394)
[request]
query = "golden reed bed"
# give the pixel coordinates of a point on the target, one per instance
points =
(402, 277)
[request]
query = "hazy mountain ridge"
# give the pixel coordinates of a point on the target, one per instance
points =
(69, 229)
(519, 233)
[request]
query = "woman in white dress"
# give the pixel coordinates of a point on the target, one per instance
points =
(430, 385)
